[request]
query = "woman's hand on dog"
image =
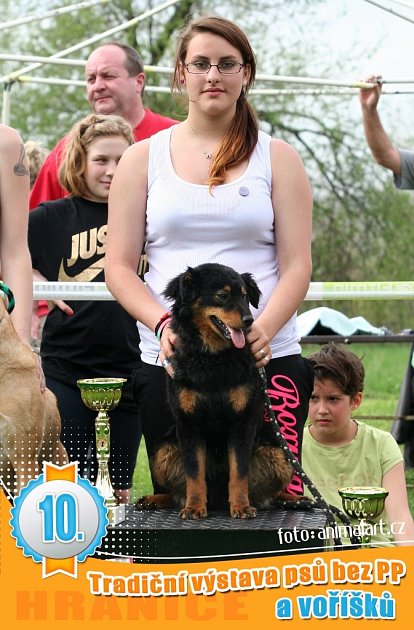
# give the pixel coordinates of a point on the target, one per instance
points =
(167, 345)
(259, 345)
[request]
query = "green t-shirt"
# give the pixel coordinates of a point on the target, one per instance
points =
(362, 462)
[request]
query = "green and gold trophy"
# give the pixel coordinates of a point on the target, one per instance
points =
(363, 503)
(103, 395)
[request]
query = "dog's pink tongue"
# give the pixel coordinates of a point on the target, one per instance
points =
(237, 337)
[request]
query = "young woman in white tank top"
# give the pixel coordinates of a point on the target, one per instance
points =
(215, 189)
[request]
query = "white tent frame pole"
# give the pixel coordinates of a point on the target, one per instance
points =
(396, 13)
(254, 92)
(52, 13)
(116, 29)
(81, 63)
(58, 61)
(392, 290)
(408, 5)
(313, 81)
(5, 110)
(54, 61)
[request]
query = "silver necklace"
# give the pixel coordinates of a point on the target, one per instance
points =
(207, 154)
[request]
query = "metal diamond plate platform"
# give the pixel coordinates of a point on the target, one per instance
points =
(160, 536)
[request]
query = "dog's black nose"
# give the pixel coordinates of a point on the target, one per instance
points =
(247, 320)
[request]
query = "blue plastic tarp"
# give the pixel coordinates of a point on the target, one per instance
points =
(328, 321)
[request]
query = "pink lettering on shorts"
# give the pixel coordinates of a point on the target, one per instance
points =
(284, 397)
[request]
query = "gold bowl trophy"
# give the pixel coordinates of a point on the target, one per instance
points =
(363, 503)
(102, 395)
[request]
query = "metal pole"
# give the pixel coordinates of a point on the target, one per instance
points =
(313, 81)
(380, 6)
(52, 13)
(255, 92)
(91, 40)
(317, 290)
(58, 61)
(409, 5)
(42, 60)
(5, 112)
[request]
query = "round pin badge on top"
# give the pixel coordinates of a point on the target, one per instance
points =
(243, 191)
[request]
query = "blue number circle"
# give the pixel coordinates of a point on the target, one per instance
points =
(58, 519)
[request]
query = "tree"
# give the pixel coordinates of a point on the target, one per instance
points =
(362, 226)
(38, 109)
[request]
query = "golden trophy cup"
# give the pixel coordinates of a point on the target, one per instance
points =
(363, 503)
(103, 395)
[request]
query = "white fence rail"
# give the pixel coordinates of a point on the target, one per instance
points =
(317, 291)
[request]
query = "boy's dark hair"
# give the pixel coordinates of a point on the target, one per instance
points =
(338, 364)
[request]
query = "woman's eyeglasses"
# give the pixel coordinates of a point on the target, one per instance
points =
(203, 67)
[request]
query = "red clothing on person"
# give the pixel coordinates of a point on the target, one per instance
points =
(47, 187)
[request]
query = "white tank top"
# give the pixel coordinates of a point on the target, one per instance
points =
(234, 226)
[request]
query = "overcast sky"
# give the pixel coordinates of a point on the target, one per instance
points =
(394, 36)
(352, 23)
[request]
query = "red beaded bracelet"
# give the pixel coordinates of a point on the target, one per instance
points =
(163, 319)
(161, 328)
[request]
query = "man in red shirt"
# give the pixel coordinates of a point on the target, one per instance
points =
(114, 85)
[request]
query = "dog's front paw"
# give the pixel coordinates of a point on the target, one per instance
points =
(193, 512)
(147, 503)
(155, 502)
(245, 511)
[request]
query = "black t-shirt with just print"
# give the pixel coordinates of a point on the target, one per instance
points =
(67, 242)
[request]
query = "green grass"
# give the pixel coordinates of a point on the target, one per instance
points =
(385, 365)
(142, 481)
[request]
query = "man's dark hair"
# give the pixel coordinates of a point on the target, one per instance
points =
(133, 62)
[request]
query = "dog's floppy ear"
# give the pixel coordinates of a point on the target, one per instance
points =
(182, 288)
(253, 291)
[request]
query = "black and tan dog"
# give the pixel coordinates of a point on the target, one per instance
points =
(217, 401)
(29, 419)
